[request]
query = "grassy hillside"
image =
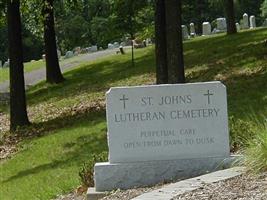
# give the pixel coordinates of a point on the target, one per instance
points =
(69, 118)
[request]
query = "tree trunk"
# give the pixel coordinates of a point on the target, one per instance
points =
(18, 111)
(230, 17)
(199, 9)
(174, 42)
(53, 73)
(160, 39)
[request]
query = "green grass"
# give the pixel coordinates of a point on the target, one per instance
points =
(256, 152)
(49, 165)
(29, 66)
(69, 118)
(34, 65)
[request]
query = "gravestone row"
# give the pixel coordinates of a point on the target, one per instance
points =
(221, 26)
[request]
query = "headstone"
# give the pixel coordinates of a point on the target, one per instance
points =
(1, 64)
(252, 21)
(58, 54)
(221, 25)
(206, 28)
(94, 48)
(116, 45)
(185, 32)
(192, 30)
(158, 133)
(148, 41)
(237, 26)
(245, 21)
(43, 57)
(6, 64)
(77, 51)
(110, 46)
(68, 54)
(264, 23)
(123, 44)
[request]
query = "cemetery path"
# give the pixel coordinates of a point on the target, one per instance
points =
(38, 75)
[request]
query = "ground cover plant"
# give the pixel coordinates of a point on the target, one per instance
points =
(69, 119)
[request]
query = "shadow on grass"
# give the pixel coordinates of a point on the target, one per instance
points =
(237, 47)
(92, 78)
(76, 151)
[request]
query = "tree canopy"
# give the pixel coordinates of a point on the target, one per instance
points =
(89, 22)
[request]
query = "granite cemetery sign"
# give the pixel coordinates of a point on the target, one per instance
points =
(160, 126)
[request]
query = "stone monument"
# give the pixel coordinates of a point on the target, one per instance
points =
(221, 25)
(192, 30)
(206, 28)
(163, 133)
(252, 21)
(245, 21)
(94, 48)
(185, 32)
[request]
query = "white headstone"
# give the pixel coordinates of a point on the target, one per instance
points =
(167, 122)
(221, 25)
(206, 28)
(192, 29)
(58, 54)
(123, 44)
(94, 48)
(69, 54)
(237, 26)
(185, 32)
(110, 46)
(264, 23)
(6, 64)
(245, 21)
(252, 21)
(116, 44)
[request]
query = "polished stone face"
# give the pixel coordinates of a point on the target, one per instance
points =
(167, 122)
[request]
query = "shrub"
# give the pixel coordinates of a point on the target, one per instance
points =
(86, 172)
(241, 132)
(256, 153)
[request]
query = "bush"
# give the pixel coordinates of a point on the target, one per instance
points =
(241, 132)
(256, 153)
(86, 172)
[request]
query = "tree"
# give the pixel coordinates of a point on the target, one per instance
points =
(264, 8)
(18, 111)
(174, 43)
(126, 17)
(230, 17)
(169, 44)
(53, 73)
(160, 39)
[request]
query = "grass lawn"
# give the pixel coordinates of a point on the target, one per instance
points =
(29, 66)
(34, 65)
(69, 118)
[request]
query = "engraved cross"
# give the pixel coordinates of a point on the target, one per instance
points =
(208, 94)
(124, 99)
